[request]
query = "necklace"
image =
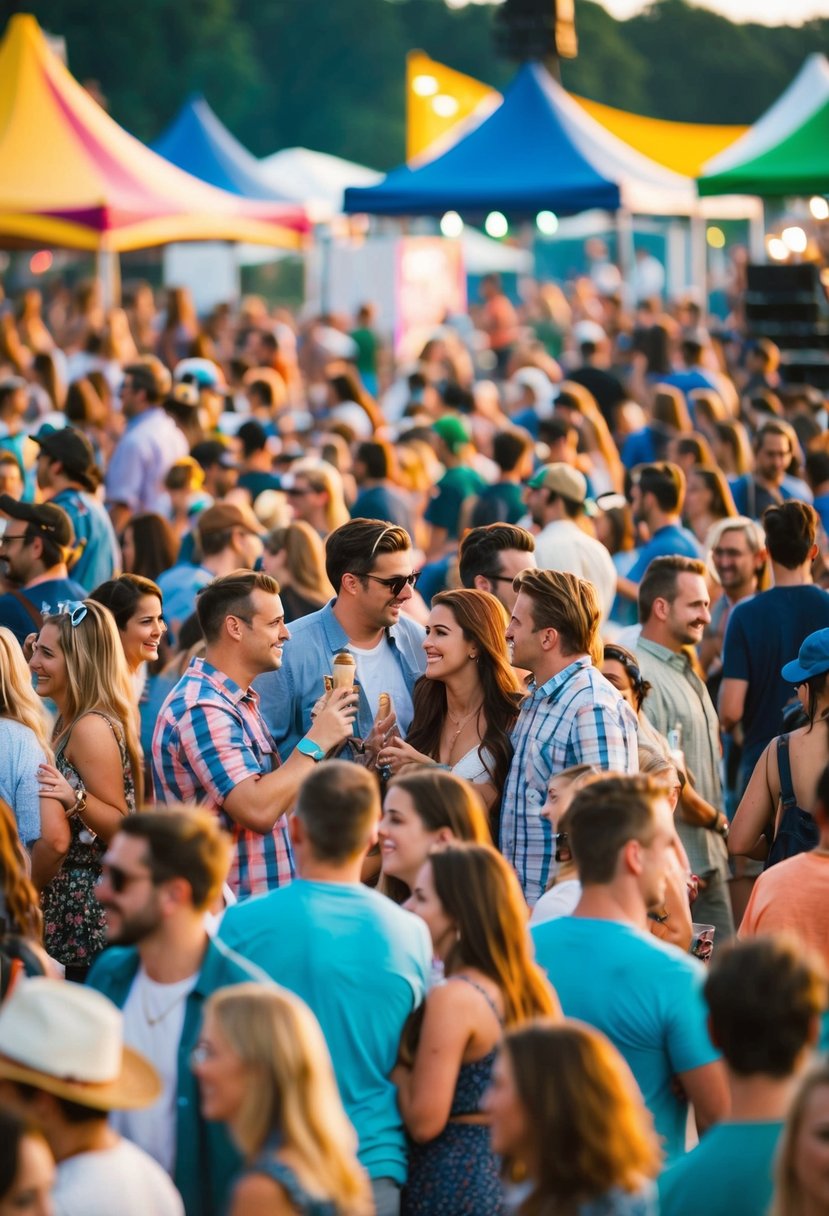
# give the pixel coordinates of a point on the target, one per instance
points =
(154, 1019)
(460, 723)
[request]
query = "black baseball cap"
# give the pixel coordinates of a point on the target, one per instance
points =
(72, 449)
(45, 516)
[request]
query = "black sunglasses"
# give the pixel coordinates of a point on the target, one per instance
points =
(563, 851)
(119, 879)
(396, 584)
(500, 578)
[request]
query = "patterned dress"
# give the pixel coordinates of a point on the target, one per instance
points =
(306, 1205)
(74, 923)
(456, 1174)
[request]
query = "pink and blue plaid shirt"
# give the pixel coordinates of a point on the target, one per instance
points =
(209, 738)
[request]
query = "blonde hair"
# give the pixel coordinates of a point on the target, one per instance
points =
(18, 700)
(305, 559)
(321, 475)
(97, 678)
(291, 1090)
(788, 1198)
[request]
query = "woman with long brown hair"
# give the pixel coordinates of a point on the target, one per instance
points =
(466, 704)
(472, 905)
(567, 1116)
(295, 557)
(423, 807)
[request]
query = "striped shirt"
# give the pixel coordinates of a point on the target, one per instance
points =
(209, 738)
(577, 717)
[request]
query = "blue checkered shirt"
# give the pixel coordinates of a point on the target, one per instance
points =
(576, 717)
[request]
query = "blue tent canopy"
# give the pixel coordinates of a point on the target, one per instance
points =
(520, 160)
(200, 143)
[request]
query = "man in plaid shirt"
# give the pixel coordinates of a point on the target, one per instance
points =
(571, 715)
(211, 746)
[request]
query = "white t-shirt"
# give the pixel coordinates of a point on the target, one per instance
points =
(560, 900)
(379, 671)
(120, 1181)
(153, 1022)
(562, 545)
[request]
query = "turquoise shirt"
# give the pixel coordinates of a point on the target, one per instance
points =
(729, 1173)
(644, 995)
(362, 965)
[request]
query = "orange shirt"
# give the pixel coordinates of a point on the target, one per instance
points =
(792, 896)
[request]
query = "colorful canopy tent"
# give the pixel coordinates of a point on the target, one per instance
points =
(537, 151)
(315, 179)
(786, 152)
(198, 142)
(438, 99)
(73, 178)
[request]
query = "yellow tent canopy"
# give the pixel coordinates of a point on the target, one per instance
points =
(439, 100)
(72, 177)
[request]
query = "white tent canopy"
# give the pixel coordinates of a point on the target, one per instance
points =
(316, 178)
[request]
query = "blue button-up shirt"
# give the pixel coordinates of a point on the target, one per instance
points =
(287, 696)
(576, 717)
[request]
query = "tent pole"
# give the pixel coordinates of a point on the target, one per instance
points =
(699, 258)
(625, 254)
(757, 234)
(109, 276)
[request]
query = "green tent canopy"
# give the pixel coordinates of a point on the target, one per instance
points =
(787, 151)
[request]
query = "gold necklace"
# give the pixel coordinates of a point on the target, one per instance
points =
(154, 1020)
(460, 723)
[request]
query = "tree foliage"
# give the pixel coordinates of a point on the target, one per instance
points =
(330, 74)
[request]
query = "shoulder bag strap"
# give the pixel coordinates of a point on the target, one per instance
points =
(36, 617)
(787, 795)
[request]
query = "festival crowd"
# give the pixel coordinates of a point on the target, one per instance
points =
(414, 768)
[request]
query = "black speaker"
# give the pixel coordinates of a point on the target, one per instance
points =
(787, 303)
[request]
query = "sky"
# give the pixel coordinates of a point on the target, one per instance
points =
(768, 12)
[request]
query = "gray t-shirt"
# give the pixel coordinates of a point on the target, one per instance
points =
(20, 755)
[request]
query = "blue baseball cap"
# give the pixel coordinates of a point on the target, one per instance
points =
(812, 659)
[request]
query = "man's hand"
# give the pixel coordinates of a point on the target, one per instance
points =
(335, 720)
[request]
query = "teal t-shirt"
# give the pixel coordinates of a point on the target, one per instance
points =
(644, 995)
(729, 1173)
(454, 487)
(362, 964)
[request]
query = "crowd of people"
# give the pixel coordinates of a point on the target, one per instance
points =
(414, 777)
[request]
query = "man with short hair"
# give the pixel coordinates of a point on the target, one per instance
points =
(211, 745)
(503, 501)
(64, 1065)
(673, 610)
(361, 963)
(149, 446)
(790, 897)
(774, 448)
(226, 537)
(375, 465)
(459, 482)
(766, 631)
(694, 374)
(765, 1000)
(556, 499)
(35, 549)
(162, 872)
(491, 557)
(609, 971)
(594, 372)
(571, 715)
(256, 475)
(220, 467)
(369, 565)
(738, 553)
(657, 495)
(68, 477)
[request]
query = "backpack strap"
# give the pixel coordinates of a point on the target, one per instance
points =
(787, 795)
(31, 611)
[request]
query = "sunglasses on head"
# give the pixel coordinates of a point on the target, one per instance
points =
(397, 583)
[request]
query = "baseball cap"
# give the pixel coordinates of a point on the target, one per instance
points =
(812, 659)
(203, 372)
(588, 331)
(453, 431)
(562, 479)
(223, 516)
(72, 449)
(45, 516)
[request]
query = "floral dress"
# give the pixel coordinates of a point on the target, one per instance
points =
(74, 923)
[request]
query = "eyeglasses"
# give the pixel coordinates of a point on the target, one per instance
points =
(76, 610)
(296, 492)
(7, 540)
(119, 879)
(500, 578)
(396, 584)
(200, 1054)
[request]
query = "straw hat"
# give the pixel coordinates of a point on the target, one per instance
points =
(68, 1041)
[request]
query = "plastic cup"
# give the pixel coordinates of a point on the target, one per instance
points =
(702, 942)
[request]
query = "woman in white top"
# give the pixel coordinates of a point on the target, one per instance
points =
(24, 746)
(466, 704)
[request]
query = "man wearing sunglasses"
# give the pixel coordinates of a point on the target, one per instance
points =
(34, 547)
(369, 564)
